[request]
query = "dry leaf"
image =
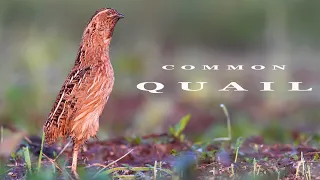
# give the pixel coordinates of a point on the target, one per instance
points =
(10, 144)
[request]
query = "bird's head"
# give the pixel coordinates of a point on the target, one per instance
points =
(103, 22)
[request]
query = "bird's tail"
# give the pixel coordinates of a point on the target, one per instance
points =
(52, 133)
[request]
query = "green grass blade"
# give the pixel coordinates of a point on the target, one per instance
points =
(41, 151)
(27, 158)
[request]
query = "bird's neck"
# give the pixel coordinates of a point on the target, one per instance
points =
(105, 52)
(94, 51)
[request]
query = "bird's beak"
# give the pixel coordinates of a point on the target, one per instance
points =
(120, 16)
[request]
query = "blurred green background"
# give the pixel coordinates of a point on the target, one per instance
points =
(39, 41)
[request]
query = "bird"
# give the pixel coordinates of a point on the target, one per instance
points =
(82, 98)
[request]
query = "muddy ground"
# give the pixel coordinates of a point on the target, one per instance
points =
(175, 159)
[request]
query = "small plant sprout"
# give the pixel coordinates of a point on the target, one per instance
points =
(238, 144)
(14, 156)
(155, 170)
(254, 167)
(303, 163)
(316, 157)
(41, 150)
(232, 170)
(160, 166)
(308, 177)
(27, 158)
(297, 169)
(259, 167)
(178, 129)
(228, 125)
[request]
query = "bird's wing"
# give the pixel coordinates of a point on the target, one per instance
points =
(57, 123)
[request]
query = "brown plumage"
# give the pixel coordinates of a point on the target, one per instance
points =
(87, 87)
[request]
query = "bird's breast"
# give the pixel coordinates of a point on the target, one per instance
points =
(97, 91)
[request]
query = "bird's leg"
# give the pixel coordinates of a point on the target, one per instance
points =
(75, 159)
